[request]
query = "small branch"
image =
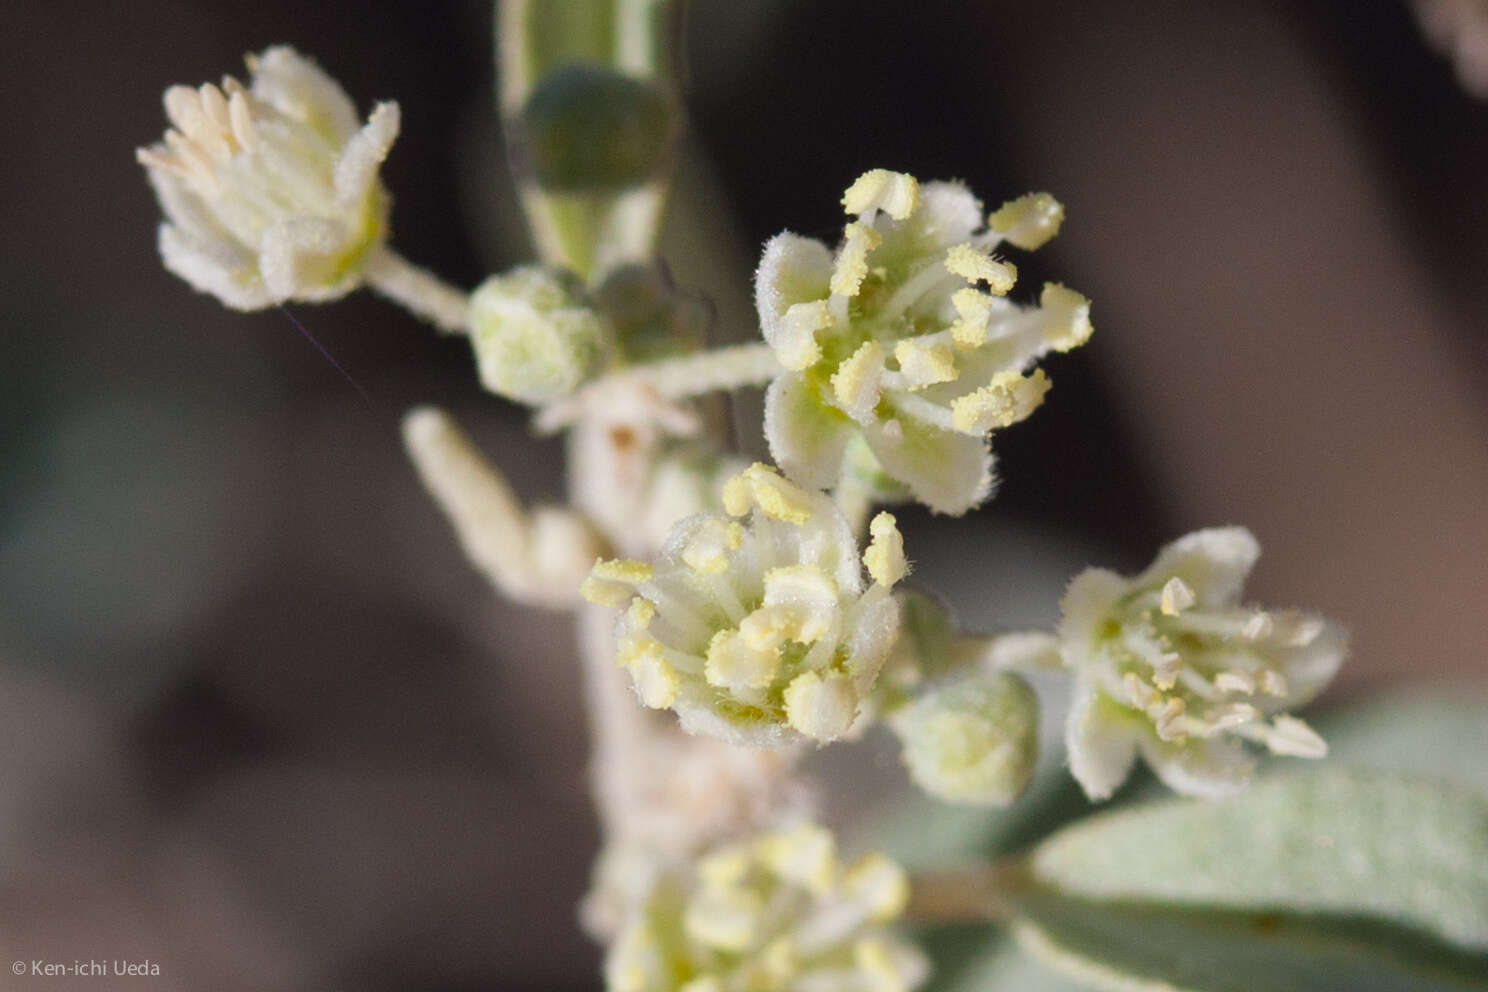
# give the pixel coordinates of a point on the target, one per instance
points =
(709, 371)
(419, 291)
(654, 383)
(538, 559)
(979, 893)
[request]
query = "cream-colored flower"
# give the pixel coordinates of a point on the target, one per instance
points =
(755, 626)
(1169, 663)
(905, 336)
(777, 912)
(270, 191)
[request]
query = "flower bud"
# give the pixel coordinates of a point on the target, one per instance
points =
(535, 337)
(973, 740)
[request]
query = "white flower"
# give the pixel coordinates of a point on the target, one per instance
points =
(270, 192)
(906, 338)
(1170, 664)
(778, 912)
(759, 630)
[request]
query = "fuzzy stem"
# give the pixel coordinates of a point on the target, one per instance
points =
(979, 893)
(419, 291)
(708, 371)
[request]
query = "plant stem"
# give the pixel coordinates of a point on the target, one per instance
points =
(979, 893)
(419, 291)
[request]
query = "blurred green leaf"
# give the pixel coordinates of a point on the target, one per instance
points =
(1335, 841)
(1342, 878)
(1434, 734)
(1128, 946)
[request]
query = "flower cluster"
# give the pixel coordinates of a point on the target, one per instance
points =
(755, 626)
(1170, 664)
(777, 912)
(905, 336)
(271, 191)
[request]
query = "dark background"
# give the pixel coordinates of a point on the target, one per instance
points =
(259, 722)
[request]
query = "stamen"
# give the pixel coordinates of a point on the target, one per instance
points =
(976, 264)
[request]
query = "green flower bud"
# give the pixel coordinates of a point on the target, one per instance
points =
(590, 129)
(534, 335)
(974, 740)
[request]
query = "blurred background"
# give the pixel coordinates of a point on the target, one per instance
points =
(262, 725)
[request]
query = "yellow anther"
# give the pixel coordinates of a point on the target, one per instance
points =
(760, 485)
(821, 708)
(734, 664)
(856, 381)
(724, 918)
(925, 364)
(1066, 317)
(805, 855)
(974, 308)
(1029, 221)
(879, 885)
(858, 240)
(884, 556)
(976, 264)
(1007, 399)
(1177, 596)
(655, 681)
(895, 193)
(612, 582)
(640, 614)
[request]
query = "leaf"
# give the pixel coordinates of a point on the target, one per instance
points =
(1132, 946)
(1340, 879)
(1338, 840)
(1425, 733)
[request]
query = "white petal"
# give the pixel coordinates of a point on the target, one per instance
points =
(1101, 747)
(1215, 562)
(947, 215)
(297, 258)
(806, 437)
(948, 472)
(211, 269)
(874, 623)
(356, 169)
(792, 270)
(1085, 606)
(1312, 666)
(296, 86)
(1211, 769)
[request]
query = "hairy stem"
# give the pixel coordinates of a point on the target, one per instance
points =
(978, 893)
(419, 291)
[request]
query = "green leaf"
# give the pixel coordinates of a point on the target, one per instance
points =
(1341, 879)
(1131, 946)
(1338, 840)
(1428, 734)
